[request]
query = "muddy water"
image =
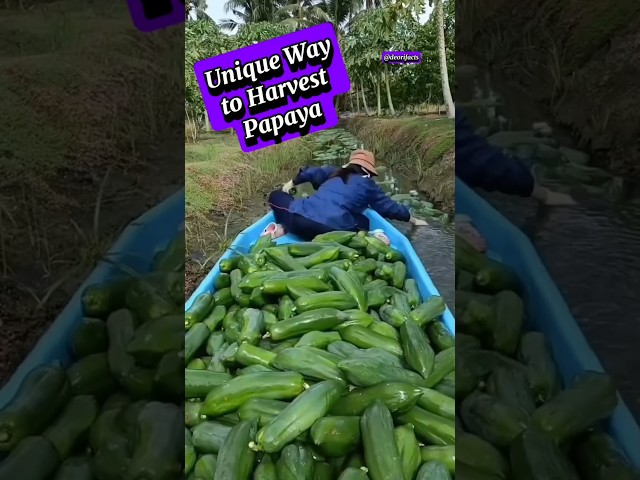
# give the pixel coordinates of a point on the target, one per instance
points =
(591, 251)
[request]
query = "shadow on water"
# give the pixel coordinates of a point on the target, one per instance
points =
(590, 251)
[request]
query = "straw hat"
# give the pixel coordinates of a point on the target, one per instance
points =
(365, 159)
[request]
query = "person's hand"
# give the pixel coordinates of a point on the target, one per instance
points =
(551, 198)
(416, 222)
(287, 186)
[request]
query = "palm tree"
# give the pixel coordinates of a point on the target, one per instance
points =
(341, 11)
(446, 90)
(249, 11)
(199, 10)
(302, 13)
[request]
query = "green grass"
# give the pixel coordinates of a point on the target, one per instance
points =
(88, 69)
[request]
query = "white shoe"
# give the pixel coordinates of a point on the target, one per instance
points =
(275, 230)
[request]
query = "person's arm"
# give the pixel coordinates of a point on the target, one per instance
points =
(481, 165)
(381, 203)
(314, 175)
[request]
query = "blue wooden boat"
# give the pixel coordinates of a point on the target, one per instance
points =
(415, 268)
(136, 247)
(547, 311)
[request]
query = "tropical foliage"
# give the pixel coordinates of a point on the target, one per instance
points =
(364, 28)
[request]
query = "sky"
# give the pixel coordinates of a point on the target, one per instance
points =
(215, 9)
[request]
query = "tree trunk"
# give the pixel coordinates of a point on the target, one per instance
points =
(192, 125)
(386, 79)
(377, 82)
(364, 100)
(446, 91)
(357, 99)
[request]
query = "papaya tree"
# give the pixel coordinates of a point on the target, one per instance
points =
(354, 50)
(205, 39)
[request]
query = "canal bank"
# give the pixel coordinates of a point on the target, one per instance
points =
(420, 148)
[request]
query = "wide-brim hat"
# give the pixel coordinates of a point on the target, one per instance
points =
(365, 159)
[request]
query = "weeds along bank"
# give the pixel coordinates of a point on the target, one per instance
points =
(580, 59)
(421, 148)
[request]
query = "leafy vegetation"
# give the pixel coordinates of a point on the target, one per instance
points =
(364, 33)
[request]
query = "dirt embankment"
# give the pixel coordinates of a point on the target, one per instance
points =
(579, 59)
(90, 138)
(421, 148)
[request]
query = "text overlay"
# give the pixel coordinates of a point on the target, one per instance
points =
(276, 90)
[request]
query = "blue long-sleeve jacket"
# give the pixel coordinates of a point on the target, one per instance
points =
(338, 204)
(481, 165)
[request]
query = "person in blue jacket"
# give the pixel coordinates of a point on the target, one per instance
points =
(482, 165)
(342, 195)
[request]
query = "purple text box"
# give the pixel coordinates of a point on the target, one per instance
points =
(150, 15)
(276, 90)
(401, 57)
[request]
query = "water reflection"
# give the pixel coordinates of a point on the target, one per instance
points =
(433, 244)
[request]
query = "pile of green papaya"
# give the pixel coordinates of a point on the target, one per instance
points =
(420, 208)
(115, 411)
(515, 419)
(318, 360)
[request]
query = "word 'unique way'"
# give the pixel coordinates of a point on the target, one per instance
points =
(268, 96)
